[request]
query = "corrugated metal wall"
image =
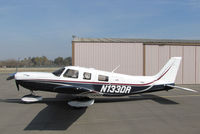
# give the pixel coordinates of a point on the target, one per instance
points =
(107, 56)
(156, 57)
(139, 59)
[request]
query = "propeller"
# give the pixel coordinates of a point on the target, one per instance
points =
(12, 76)
(17, 85)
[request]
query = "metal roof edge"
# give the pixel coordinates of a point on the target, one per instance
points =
(134, 40)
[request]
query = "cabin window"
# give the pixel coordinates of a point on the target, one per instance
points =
(58, 72)
(87, 76)
(71, 73)
(102, 78)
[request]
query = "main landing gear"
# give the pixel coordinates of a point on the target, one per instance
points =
(31, 98)
(77, 103)
(81, 103)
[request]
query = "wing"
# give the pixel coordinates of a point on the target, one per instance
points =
(78, 91)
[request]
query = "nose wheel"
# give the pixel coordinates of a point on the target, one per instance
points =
(31, 98)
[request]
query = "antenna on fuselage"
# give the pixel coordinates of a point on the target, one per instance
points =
(115, 69)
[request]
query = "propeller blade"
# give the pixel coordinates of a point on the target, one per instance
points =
(12, 76)
(17, 85)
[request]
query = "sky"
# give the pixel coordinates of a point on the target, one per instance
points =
(31, 28)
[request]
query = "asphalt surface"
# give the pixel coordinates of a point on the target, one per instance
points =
(173, 112)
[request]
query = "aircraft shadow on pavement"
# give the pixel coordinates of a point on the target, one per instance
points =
(59, 116)
(56, 116)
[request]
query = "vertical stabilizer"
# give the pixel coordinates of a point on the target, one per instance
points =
(169, 71)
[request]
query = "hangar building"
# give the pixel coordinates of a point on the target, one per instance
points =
(138, 56)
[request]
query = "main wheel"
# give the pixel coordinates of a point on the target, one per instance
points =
(81, 103)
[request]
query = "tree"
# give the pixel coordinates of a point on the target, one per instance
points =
(9, 63)
(68, 61)
(59, 61)
(37, 62)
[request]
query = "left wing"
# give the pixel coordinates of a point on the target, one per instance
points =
(77, 90)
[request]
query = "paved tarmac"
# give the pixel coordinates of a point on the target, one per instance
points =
(173, 112)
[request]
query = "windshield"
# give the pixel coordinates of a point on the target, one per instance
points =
(58, 72)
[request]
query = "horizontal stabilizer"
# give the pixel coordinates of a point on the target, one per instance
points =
(182, 88)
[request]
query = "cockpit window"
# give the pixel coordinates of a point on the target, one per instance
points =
(58, 72)
(102, 78)
(71, 73)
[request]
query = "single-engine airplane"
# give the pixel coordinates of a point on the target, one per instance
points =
(86, 84)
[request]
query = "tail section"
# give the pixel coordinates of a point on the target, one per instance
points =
(169, 71)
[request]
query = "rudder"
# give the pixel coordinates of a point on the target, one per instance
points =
(168, 73)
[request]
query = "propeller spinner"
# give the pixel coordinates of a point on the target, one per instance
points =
(12, 76)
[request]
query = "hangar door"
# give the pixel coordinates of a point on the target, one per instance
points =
(107, 56)
(156, 56)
